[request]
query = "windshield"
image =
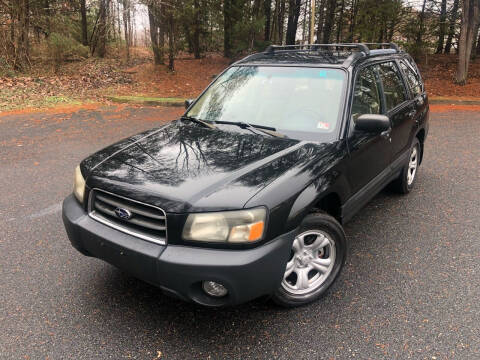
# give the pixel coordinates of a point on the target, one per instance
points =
(303, 103)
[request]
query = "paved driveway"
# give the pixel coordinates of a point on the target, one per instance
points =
(410, 288)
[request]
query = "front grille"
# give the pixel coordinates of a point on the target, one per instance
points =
(144, 221)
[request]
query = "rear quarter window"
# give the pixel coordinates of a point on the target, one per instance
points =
(413, 77)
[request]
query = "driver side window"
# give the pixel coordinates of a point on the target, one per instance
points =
(366, 98)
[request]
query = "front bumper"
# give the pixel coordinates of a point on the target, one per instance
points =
(180, 270)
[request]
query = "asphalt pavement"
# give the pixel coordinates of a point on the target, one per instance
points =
(410, 288)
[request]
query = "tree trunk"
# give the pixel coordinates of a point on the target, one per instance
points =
(161, 31)
(421, 22)
(22, 45)
(171, 40)
(321, 17)
(130, 23)
(152, 17)
(83, 14)
(256, 14)
(47, 29)
(188, 35)
(394, 20)
(292, 25)
(340, 21)
(353, 20)
(478, 45)
(268, 14)
(12, 31)
(470, 19)
(125, 15)
(227, 28)
(273, 31)
(196, 29)
(281, 20)
(330, 17)
(442, 27)
(111, 25)
(102, 28)
(474, 43)
(451, 28)
(305, 11)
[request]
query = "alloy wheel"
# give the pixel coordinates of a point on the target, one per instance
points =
(412, 166)
(311, 262)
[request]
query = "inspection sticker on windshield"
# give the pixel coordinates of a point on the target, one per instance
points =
(323, 125)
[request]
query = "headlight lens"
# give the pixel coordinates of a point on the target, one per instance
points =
(79, 184)
(229, 226)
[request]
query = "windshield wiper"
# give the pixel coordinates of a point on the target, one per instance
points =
(265, 129)
(199, 121)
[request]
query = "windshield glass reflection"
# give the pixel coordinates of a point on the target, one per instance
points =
(302, 103)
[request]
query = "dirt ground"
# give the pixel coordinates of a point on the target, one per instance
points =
(438, 72)
(91, 80)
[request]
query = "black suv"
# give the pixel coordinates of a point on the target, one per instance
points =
(245, 194)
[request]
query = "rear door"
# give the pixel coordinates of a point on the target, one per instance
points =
(399, 107)
(417, 90)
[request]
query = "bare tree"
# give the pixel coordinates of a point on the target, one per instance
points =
(321, 17)
(83, 14)
(329, 20)
(420, 31)
(156, 21)
(280, 20)
(470, 20)
(126, 19)
(292, 25)
(451, 28)
(171, 37)
(268, 15)
(442, 28)
(196, 29)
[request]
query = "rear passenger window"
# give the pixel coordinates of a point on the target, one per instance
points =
(366, 98)
(392, 85)
(413, 78)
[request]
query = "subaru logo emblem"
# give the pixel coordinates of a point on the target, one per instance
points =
(123, 214)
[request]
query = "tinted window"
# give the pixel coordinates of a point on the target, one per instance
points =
(366, 98)
(392, 85)
(413, 77)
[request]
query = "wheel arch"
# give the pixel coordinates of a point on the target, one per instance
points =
(329, 203)
(310, 201)
(420, 135)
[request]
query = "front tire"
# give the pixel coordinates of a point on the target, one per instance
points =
(405, 182)
(317, 256)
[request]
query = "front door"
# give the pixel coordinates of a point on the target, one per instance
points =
(369, 152)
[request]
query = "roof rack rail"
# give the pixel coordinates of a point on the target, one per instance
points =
(390, 45)
(360, 46)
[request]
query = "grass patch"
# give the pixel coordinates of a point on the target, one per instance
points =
(146, 100)
(54, 100)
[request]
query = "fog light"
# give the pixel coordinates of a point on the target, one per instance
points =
(214, 289)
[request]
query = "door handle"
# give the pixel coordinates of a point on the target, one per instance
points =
(386, 134)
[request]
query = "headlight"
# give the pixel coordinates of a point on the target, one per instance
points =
(229, 226)
(79, 184)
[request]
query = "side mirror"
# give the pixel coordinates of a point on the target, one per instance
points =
(188, 102)
(373, 123)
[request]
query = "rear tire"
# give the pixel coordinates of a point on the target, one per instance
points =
(317, 257)
(405, 182)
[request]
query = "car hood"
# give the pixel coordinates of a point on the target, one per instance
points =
(184, 167)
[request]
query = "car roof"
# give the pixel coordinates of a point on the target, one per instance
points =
(336, 55)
